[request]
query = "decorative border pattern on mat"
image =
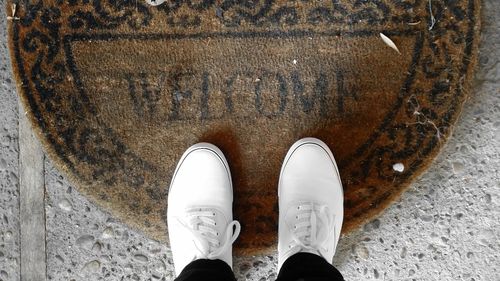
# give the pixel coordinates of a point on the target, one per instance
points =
(43, 34)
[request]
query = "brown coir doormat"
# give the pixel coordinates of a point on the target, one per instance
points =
(118, 89)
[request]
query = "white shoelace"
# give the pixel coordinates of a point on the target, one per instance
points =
(201, 224)
(314, 227)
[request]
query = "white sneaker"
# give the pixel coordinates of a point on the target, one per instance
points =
(311, 201)
(200, 216)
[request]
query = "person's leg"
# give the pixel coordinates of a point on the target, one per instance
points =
(200, 217)
(311, 211)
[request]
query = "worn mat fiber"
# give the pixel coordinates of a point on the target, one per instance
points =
(118, 89)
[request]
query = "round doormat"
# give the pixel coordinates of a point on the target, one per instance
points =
(118, 89)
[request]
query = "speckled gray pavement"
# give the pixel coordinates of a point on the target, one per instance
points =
(445, 227)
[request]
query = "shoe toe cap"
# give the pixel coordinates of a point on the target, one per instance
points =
(310, 170)
(310, 160)
(201, 179)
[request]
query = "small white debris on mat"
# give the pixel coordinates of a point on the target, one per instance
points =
(421, 118)
(155, 2)
(414, 23)
(389, 42)
(294, 61)
(398, 167)
(433, 19)
(14, 10)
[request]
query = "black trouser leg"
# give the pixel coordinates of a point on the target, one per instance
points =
(206, 270)
(301, 266)
(308, 267)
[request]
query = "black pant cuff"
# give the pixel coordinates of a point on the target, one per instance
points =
(308, 267)
(207, 270)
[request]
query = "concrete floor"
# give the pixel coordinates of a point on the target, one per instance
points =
(445, 227)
